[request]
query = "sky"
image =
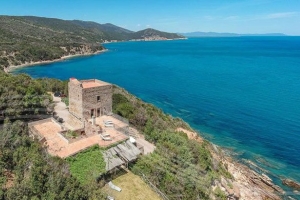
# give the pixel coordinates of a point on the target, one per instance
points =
(180, 16)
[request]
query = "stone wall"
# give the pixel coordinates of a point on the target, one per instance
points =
(74, 122)
(90, 101)
(91, 129)
(34, 133)
(75, 98)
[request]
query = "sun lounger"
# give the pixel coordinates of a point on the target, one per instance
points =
(109, 125)
(110, 198)
(112, 186)
(105, 134)
(105, 138)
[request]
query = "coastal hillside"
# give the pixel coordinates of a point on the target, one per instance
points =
(29, 39)
(152, 34)
(183, 166)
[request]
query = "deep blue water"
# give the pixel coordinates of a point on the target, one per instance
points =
(241, 93)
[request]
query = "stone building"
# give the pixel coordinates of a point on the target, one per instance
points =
(88, 121)
(89, 98)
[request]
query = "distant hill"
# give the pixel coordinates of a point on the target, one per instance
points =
(28, 39)
(152, 34)
(215, 34)
(109, 31)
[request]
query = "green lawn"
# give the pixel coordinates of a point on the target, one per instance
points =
(133, 188)
(88, 165)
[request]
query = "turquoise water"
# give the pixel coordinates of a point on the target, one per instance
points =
(241, 93)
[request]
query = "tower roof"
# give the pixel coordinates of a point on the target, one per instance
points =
(89, 83)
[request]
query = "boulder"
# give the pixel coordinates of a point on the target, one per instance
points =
(291, 183)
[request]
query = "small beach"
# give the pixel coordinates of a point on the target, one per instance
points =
(11, 68)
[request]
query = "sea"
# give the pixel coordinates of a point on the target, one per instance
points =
(241, 93)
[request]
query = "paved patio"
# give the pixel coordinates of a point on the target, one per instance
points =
(117, 123)
(57, 145)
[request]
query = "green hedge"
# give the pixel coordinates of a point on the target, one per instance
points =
(88, 165)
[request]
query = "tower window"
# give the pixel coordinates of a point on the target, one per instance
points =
(98, 98)
(92, 113)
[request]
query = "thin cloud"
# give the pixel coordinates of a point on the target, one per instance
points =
(231, 17)
(242, 4)
(281, 15)
(168, 21)
(270, 16)
(208, 17)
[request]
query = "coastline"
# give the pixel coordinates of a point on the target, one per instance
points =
(153, 40)
(9, 69)
(245, 183)
(145, 40)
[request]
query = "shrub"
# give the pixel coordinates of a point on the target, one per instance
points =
(87, 166)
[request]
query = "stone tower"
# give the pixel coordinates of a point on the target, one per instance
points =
(89, 98)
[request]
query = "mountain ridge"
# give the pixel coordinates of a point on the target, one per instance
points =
(217, 34)
(30, 39)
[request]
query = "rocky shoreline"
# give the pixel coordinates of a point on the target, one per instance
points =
(245, 184)
(27, 64)
(250, 184)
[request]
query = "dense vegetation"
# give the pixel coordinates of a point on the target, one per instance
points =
(28, 172)
(179, 167)
(22, 97)
(141, 115)
(31, 39)
(88, 165)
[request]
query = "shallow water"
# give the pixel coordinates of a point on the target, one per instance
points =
(242, 93)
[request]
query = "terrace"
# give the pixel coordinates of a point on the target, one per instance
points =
(89, 83)
(64, 143)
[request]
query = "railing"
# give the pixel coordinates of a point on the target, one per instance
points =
(154, 188)
(35, 132)
(39, 122)
(63, 138)
(123, 130)
(118, 117)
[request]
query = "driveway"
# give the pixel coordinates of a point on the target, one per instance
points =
(60, 108)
